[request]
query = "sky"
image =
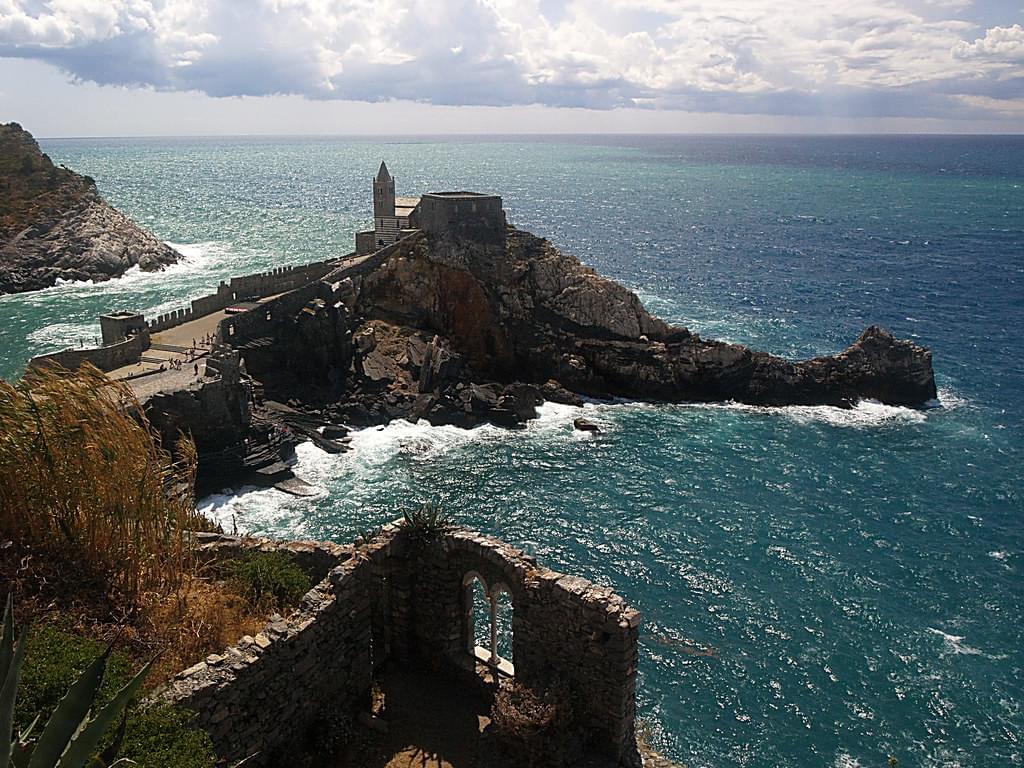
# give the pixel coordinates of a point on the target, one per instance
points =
(214, 67)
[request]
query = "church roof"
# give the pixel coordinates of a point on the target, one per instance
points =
(404, 206)
(383, 174)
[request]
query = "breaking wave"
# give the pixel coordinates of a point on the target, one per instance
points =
(954, 644)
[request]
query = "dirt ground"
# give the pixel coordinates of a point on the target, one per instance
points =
(433, 722)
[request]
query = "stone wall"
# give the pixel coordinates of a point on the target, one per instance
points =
(366, 242)
(267, 692)
(564, 629)
(257, 323)
(315, 558)
(105, 358)
(214, 410)
(465, 215)
(402, 599)
(244, 288)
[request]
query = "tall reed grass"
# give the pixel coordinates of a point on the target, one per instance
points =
(83, 475)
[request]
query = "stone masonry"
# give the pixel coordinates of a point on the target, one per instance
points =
(400, 599)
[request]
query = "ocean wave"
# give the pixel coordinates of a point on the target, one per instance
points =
(374, 451)
(199, 257)
(866, 413)
(846, 760)
(955, 645)
(66, 335)
(948, 399)
(1002, 557)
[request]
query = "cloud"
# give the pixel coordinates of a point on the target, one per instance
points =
(860, 57)
(1000, 44)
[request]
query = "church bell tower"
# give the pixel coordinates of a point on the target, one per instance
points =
(383, 195)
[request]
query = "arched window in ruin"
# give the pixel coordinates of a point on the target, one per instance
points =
(488, 623)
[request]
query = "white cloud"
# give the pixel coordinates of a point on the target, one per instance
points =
(776, 56)
(1000, 44)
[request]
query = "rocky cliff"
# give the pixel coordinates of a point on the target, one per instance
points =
(461, 332)
(54, 224)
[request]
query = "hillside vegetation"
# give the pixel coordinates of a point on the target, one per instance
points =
(32, 189)
(54, 225)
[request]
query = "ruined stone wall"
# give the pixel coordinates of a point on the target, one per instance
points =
(403, 599)
(312, 669)
(565, 629)
(105, 358)
(315, 558)
(215, 411)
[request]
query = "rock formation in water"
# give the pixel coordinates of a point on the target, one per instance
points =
(54, 224)
(462, 332)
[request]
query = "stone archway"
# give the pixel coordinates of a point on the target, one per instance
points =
(497, 615)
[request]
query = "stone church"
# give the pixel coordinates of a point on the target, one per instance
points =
(472, 215)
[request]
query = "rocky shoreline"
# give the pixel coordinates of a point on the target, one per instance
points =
(463, 333)
(456, 333)
(463, 320)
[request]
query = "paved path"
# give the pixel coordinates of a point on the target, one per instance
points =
(186, 345)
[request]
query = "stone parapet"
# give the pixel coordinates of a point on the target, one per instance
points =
(105, 358)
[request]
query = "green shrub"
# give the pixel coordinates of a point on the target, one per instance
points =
(269, 580)
(55, 657)
(425, 524)
(161, 737)
(156, 737)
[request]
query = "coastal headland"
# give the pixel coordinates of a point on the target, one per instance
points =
(447, 313)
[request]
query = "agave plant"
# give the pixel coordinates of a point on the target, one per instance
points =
(73, 732)
(426, 521)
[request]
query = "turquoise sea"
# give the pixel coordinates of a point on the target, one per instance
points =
(820, 587)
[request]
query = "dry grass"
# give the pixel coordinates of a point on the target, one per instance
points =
(82, 474)
(187, 627)
(94, 516)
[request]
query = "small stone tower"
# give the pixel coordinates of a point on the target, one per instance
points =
(383, 195)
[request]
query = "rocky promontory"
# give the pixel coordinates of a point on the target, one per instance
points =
(55, 225)
(461, 332)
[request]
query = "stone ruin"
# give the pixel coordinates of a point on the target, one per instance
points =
(408, 600)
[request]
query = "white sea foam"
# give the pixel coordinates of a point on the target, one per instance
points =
(949, 400)
(866, 413)
(199, 257)
(65, 335)
(955, 644)
(1002, 557)
(846, 760)
(362, 467)
(356, 473)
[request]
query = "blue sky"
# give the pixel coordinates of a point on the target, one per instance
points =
(156, 67)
